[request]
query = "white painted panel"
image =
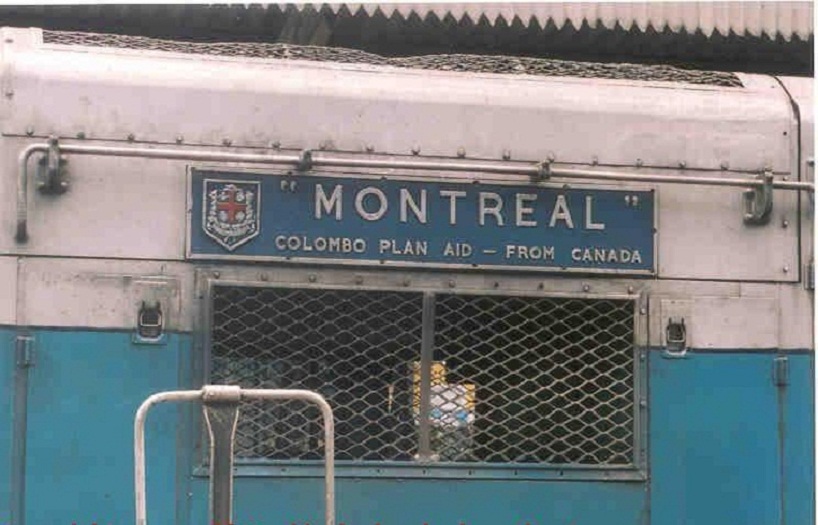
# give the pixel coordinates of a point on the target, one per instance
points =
(725, 323)
(111, 93)
(702, 235)
(104, 294)
(8, 290)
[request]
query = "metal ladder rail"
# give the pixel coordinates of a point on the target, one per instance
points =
(221, 475)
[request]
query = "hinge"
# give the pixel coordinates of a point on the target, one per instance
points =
(781, 371)
(25, 351)
(809, 277)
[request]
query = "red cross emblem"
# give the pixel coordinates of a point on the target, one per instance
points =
(230, 205)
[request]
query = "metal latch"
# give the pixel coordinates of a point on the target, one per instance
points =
(150, 324)
(781, 371)
(24, 351)
(675, 338)
(758, 201)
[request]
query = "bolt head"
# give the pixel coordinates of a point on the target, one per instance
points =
(506, 154)
(461, 152)
(551, 157)
(639, 162)
(594, 160)
(81, 135)
(131, 137)
(370, 148)
(29, 131)
(683, 165)
(415, 150)
(227, 142)
(586, 288)
(179, 139)
(725, 165)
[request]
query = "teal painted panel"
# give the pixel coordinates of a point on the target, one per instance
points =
(799, 443)
(713, 440)
(260, 501)
(6, 404)
(84, 391)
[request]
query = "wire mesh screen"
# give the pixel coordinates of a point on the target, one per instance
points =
(513, 379)
(534, 380)
(354, 347)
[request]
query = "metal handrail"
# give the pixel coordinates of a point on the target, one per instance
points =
(209, 392)
(532, 169)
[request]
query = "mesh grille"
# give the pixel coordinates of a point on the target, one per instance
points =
(459, 62)
(552, 379)
(513, 379)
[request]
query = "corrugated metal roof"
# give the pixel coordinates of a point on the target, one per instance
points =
(787, 19)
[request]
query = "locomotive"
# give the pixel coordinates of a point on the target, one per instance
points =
(527, 298)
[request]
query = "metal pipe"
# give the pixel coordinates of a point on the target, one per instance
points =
(329, 437)
(507, 168)
(139, 444)
(190, 395)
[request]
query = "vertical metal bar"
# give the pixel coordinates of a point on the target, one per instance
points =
(221, 417)
(426, 357)
(22, 357)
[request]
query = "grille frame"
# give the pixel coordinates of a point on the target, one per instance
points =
(429, 283)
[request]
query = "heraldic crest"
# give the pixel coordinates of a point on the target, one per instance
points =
(231, 212)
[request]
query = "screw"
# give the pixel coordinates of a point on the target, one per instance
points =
(81, 135)
(359, 279)
(642, 357)
(451, 283)
(29, 131)
(275, 144)
(682, 164)
(179, 139)
(217, 274)
(786, 269)
(226, 141)
(642, 311)
(496, 284)
(370, 148)
(643, 403)
(630, 289)
(415, 150)
(551, 157)
(594, 160)
(725, 165)
(407, 281)
(785, 177)
(131, 137)
(64, 184)
(586, 288)
(461, 152)
(312, 278)
(639, 163)
(506, 154)
(785, 223)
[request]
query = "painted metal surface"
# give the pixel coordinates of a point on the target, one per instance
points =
(787, 19)
(339, 105)
(715, 450)
(424, 223)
